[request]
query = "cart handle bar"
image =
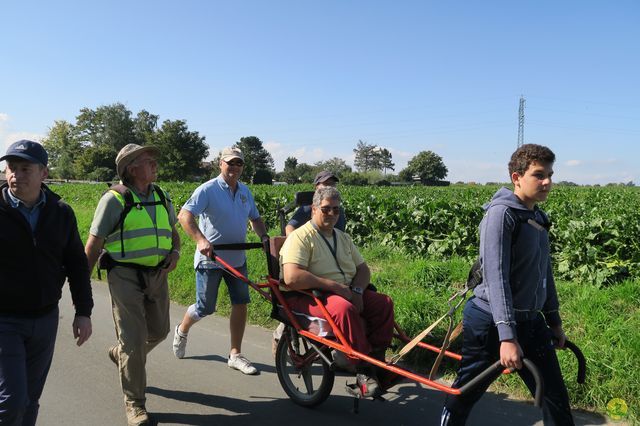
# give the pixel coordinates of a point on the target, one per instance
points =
(492, 373)
(233, 271)
(237, 246)
(582, 362)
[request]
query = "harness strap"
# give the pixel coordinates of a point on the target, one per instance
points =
(452, 309)
(141, 282)
(452, 334)
(407, 348)
(237, 246)
(105, 261)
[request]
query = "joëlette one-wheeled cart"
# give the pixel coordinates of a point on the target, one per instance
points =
(305, 355)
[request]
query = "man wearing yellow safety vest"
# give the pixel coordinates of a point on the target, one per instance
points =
(133, 236)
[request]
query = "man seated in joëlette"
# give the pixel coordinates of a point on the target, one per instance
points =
(318, 256)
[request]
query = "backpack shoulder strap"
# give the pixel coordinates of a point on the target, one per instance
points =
(128, 199)
(475, 274)
(546, 223)
(520, 219)
(128, 205)
(162, 196)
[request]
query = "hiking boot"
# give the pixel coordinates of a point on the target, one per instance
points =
(368, 385)
(179, 343)
(113, 354)
(137, 416)
(240, 363)
(274, 346)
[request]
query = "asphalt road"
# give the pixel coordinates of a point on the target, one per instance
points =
(83, 386)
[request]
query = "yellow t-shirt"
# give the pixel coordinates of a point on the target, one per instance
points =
(305, 247)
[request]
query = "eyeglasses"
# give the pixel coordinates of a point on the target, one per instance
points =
(150, 161)
(235, 163)
(327, 209)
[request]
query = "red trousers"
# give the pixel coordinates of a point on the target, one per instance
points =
(370, 329)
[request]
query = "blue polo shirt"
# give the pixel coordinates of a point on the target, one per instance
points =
(222, 217)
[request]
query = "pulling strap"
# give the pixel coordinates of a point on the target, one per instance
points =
(407, 348)
(237, 246)
(452, 309)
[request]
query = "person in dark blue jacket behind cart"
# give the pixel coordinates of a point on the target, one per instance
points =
(39, 249)
(514, 313)
(303, 214)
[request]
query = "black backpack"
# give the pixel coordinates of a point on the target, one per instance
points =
(475, 273)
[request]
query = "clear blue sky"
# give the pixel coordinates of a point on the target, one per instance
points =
(310, 78)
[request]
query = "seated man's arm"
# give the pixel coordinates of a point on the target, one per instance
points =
(360, 280)
(298, 278)
(362, 277)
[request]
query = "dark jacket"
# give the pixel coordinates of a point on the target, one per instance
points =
(517, 279)
(34, 266)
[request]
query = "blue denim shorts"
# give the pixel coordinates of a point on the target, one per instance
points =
(208, 282)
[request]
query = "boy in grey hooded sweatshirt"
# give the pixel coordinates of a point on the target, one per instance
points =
(514, 311)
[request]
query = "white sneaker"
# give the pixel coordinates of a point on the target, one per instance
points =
(240, 363)
(179, 343)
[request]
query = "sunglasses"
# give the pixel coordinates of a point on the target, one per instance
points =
(327, 209)
(235, 163)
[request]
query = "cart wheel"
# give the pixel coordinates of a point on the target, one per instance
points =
(303, 375)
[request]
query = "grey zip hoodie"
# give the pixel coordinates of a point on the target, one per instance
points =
(517, 279)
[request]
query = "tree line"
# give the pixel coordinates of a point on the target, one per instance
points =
(372, 164)
(87, 150)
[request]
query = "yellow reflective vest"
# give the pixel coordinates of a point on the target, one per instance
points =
(137, 239)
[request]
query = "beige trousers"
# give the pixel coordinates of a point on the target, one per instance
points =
(141, 318)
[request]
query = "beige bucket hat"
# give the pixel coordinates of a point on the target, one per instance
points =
(129, 153)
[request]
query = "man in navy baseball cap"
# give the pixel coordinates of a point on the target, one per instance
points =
(38, 229)
(27, 150)
(323, 176)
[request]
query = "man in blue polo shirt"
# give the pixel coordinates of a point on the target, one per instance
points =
(222, 205)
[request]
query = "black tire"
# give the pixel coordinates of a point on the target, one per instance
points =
(310, 384)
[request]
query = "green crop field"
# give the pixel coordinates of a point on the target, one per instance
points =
(420, 242)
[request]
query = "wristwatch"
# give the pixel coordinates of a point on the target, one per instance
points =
(357, 290)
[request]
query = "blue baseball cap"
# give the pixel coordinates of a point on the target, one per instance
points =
(27, 150)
